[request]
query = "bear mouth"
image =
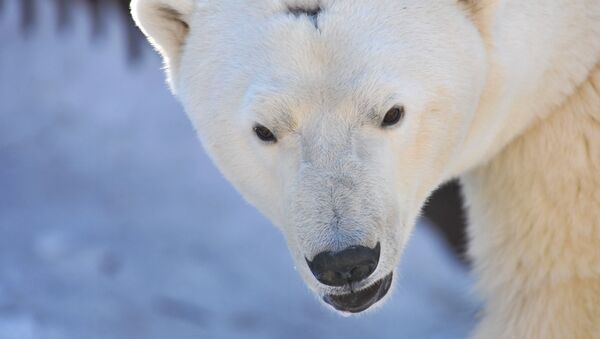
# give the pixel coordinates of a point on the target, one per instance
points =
(358, 301)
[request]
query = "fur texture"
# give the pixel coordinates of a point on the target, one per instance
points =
(502, 93)
(535, 226)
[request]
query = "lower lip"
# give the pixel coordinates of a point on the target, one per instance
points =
(359, 301)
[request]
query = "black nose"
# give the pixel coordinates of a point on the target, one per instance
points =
(350, 265)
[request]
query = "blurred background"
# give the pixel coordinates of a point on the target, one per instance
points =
(115, 224)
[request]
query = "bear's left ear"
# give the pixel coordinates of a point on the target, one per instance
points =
(166, 25)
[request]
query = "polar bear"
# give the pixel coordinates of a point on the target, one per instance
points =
(337, 119)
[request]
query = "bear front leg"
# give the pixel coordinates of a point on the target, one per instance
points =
(534, 224)
(565, 310)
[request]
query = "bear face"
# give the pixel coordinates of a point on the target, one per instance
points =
(335, 119)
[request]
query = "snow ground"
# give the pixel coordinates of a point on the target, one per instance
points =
(114, 223)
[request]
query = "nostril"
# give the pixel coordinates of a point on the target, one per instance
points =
(350, 265)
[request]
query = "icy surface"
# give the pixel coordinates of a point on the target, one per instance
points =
(115, 224)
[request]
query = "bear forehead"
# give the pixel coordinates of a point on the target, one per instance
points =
(307, 9)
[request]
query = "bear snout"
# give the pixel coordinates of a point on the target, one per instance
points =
(348, 266)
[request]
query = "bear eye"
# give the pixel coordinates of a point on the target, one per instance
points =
(392, 117)
(264, 133)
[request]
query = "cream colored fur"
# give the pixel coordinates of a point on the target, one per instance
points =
(535, 226)
(501, 93)
(534, 207)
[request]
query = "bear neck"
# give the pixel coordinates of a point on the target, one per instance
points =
(534, 213)
(533, 68)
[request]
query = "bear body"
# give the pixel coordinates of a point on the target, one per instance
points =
(337, 119)
(535, 226)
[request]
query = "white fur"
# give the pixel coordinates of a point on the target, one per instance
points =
(502, 93)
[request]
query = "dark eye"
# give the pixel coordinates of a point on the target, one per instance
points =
(392, 117)
(264, 133)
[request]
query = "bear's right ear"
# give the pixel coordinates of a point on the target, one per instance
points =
(166, 25)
